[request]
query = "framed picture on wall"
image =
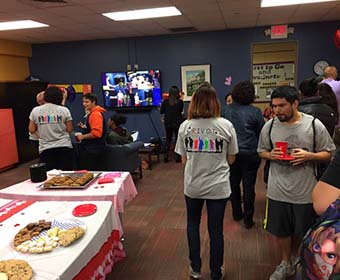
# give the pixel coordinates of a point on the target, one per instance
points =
(192, 77)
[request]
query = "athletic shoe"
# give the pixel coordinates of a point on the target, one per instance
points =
(282, 271)
(194, 274)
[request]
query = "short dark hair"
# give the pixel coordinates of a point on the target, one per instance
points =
(53, 95)
(118, 119)
(243, 93)
(226, 96)
(288, 92)
(91, 97)
(308, 87)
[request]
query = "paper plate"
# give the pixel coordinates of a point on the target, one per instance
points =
(84, 210)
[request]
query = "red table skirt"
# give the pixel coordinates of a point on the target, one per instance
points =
(101, 264)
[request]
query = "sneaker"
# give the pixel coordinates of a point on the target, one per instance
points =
(282, 271)
(295, 260)
(222, 275)
(249, 224)
(194, 274)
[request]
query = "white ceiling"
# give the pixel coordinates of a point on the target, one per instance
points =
(77, 20)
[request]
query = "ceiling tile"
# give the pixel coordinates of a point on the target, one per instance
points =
(82, 19)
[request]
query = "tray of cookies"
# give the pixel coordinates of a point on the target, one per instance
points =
(67, 180)
(45, 236)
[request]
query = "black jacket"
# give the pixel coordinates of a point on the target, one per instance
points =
(314, 106)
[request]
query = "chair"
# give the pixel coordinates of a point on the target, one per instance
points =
(122, 157)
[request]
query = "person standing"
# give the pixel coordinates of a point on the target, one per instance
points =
(329, 98)
(313, 104)
(172, 108)
(331, 74)
(207, 144)
(53, 124)
(92, 139)
(248, 122)
(290, 211)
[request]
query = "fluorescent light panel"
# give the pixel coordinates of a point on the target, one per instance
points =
(20, 24)
(275, 3)
(145, 13)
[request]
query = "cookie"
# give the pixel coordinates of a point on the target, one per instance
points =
(16, 270)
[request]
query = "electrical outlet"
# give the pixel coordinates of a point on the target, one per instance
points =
(128, 67)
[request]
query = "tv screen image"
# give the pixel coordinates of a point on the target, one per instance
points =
(132, 89)
(115, 89)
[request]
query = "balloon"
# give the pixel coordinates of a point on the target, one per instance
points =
(337, 38)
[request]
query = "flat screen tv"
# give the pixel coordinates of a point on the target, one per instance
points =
(127, 90)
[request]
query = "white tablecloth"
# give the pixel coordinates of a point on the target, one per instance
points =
(120, 192)
(62, 263)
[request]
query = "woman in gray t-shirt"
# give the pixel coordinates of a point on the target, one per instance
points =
(53, 123)
(207, 144)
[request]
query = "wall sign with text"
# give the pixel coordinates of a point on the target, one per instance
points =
(267, 76)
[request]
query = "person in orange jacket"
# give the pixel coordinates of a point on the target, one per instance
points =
(92, 139)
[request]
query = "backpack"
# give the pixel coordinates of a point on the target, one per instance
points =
(319, 168)
(320, 251)
(267, 164)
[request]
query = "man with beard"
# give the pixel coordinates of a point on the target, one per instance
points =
(289, 212)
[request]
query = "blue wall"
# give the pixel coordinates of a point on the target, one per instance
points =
(228, 52)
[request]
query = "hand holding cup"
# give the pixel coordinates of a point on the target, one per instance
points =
(78, 136)
(281, 147)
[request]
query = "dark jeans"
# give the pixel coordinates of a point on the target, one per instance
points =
(244, 169)
(58, 158)
(215, 209)
(90, 158)
(171, 129)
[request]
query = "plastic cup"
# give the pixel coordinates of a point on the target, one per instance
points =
(38, 172)
(283, 146)
(76, 136)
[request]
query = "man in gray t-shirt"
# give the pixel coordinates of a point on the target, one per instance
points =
(291, 176)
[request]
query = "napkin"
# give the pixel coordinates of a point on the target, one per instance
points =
(105, 180)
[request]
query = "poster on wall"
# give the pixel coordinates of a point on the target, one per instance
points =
(192, 77)
(268, 76)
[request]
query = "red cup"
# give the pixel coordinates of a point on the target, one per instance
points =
(76, 136)
(283, 146)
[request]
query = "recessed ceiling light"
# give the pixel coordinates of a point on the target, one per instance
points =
(275, 3)
(20, 24)
(145, 13)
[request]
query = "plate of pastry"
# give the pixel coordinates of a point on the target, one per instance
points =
(45, 236)
(71, 180)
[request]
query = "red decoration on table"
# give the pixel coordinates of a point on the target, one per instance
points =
(84, 210)
(337, 38)
(12, 208)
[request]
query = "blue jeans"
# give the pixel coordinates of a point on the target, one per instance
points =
(215, 209)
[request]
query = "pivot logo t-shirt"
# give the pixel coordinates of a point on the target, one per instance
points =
(206, 144)
(51, 123)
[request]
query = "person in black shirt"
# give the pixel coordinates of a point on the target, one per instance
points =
(313, 104)
(327, 190)
(172, 109)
